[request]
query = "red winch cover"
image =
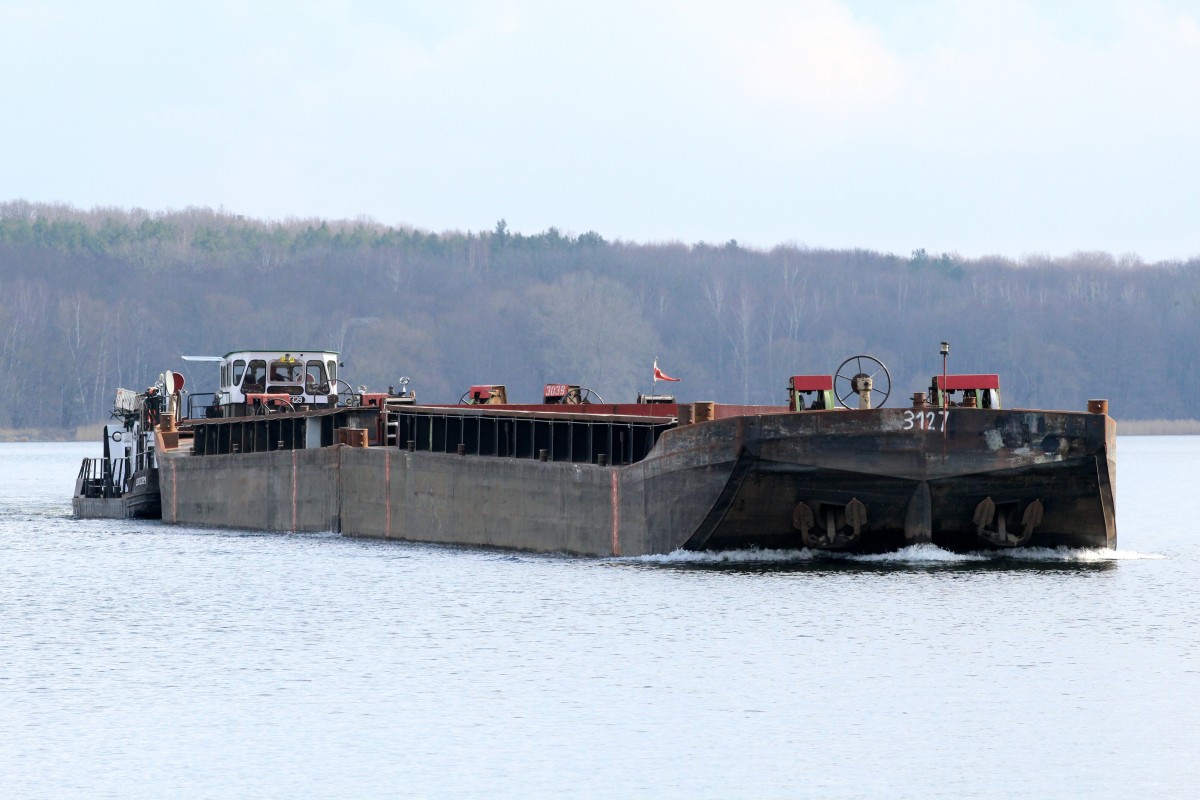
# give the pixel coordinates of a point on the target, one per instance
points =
(958, 383)
(812, 383)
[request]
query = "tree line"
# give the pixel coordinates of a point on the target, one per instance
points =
(95, 299)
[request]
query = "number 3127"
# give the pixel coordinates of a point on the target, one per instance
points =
(925, 420)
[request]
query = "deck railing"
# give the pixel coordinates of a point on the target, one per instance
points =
(95, 480)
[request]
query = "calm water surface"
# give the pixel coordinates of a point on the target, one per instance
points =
(138, 660)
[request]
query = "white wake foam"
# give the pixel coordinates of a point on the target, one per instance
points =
(913, 554)
(1080, 555)
(919, 554)
(750, 556)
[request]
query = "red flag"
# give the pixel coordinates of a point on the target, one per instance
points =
(660, 376)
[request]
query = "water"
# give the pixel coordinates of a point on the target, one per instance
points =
(138, 660)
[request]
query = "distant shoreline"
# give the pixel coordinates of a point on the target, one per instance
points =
(91, 433)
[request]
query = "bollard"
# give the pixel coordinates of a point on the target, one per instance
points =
(462, 449)
(354, 437)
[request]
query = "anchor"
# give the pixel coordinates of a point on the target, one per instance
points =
(834, 535)
(999, 536)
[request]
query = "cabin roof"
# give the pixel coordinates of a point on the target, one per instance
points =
(296, 350)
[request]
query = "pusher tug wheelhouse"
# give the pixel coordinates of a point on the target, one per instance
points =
(278, 447)
(123, 481)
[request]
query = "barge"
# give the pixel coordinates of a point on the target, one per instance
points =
(284, 444)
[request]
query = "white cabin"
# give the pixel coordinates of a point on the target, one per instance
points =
(293, 377)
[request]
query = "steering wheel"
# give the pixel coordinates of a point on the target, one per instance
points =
(347, 396)
(262, 409)
(851, 381)
(587, 395)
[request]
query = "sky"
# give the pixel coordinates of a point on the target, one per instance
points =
(991, 127)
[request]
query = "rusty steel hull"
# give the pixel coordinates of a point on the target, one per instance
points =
(870, 481)
(915, 481)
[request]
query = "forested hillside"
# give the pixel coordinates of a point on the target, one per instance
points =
(97, 299)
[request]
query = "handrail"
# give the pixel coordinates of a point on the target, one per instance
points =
(95, 479)
(192, 404)
(144, 460)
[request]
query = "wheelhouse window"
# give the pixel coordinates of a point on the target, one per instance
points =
(332, 365)
(255, 379)
(286, 371)
(314, 378)
(239, 367)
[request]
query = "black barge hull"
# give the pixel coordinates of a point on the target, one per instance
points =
(852, 480)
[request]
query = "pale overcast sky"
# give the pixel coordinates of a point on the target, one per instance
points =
(975, 127)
